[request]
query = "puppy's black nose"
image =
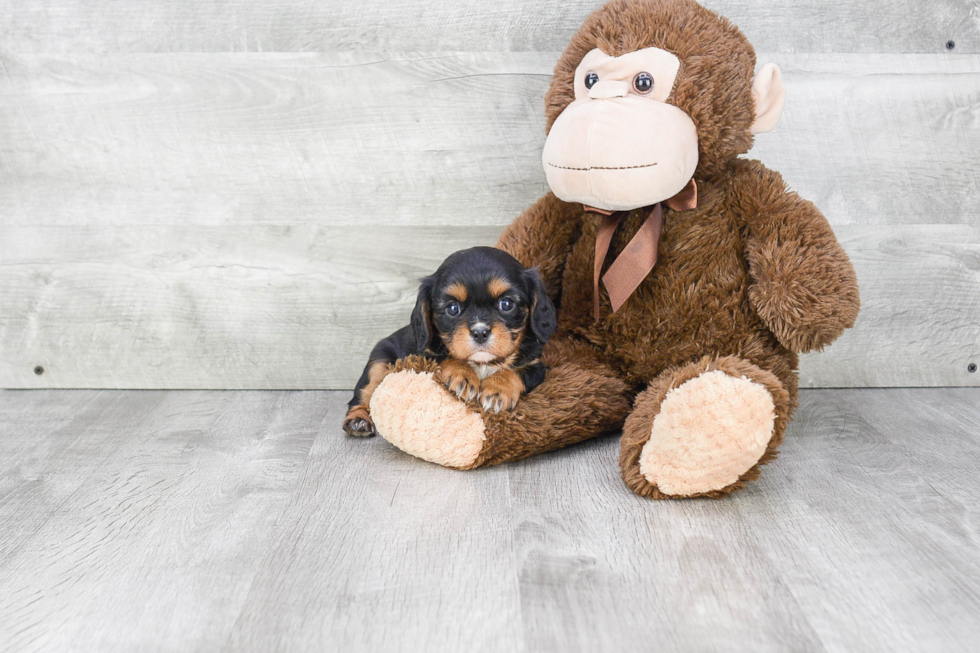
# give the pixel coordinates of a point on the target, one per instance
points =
(479, 333)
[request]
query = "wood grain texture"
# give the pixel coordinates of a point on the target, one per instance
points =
(601, 573)
(259, 220)
(431, 139)
(176, 307)
(284, 307)
(239, 25)
(248, 522)
(920, 310)
(147, 514)
(72, 434)
(287, 139)
(382, 552)
(874, 494)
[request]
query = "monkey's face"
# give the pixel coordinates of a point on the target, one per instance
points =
(619, 145)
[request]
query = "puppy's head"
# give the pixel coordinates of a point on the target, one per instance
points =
(483, 306)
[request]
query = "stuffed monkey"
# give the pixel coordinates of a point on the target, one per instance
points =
(686, 278)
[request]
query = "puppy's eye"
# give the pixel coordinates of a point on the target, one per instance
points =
(452, 309)
(590, 80)
(506, 305)
(643, 83)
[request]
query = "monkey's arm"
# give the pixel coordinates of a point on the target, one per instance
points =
(803, 284)
(542, 237)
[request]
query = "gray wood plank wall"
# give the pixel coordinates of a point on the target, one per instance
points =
(242, 195)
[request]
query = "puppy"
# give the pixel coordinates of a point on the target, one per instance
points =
(485, 318)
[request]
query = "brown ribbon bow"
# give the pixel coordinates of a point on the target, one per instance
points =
(637, 259)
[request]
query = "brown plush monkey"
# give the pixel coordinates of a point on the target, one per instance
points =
(687, 278)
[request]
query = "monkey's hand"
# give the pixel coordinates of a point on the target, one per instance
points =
(803, 285)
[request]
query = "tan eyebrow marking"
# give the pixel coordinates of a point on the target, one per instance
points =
(457, 291)
(497, 287)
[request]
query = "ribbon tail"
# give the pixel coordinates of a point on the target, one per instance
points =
(636, 261)
(602, 242)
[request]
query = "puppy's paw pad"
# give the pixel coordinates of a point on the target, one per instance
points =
(360, 426)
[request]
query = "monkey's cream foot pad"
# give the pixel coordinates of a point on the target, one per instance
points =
(710, 430)
(414, 412)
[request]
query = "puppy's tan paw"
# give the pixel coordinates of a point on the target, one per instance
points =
(460, 379)
(501, 391)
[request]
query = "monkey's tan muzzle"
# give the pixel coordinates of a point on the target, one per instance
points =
(617, 151)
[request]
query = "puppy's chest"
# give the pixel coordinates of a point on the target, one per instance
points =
(484, 370)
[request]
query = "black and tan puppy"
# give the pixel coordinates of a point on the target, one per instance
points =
(485, 317)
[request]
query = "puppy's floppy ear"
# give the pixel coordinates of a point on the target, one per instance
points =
(542, 321)
(422, 315)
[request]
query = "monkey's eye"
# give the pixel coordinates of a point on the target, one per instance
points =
(590, 80)
(452, 310)
(643, 83)
(506, 305)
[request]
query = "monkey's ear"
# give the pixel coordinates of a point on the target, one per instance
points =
(769, 95)
(422, 315)
(542, 320)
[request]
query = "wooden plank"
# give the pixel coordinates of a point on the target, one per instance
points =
(157, 546)
(381, 551)
(602, 571)
(49, 450)
(845, 543)
(184, 25)
(880, 139)
(203, 307)
(920, 310)
(249, 522)
(851, 510)
(283, 307)
(298, 139)
(348, 138)
(154, 204)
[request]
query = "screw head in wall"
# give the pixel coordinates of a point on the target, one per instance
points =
(39, 370)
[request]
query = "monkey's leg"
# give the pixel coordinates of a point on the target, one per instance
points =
(580, 398)
(703, 429)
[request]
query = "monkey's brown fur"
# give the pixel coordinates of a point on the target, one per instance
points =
(743, 282)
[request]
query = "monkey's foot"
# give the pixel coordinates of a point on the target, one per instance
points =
(413, 410)
(703, 429)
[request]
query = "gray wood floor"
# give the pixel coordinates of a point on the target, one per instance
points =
(246, 521)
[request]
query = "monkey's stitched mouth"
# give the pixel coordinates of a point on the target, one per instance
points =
(648, 165)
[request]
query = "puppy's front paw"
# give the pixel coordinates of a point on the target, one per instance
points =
(460, 379)
(501, 391)
(358, 423)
